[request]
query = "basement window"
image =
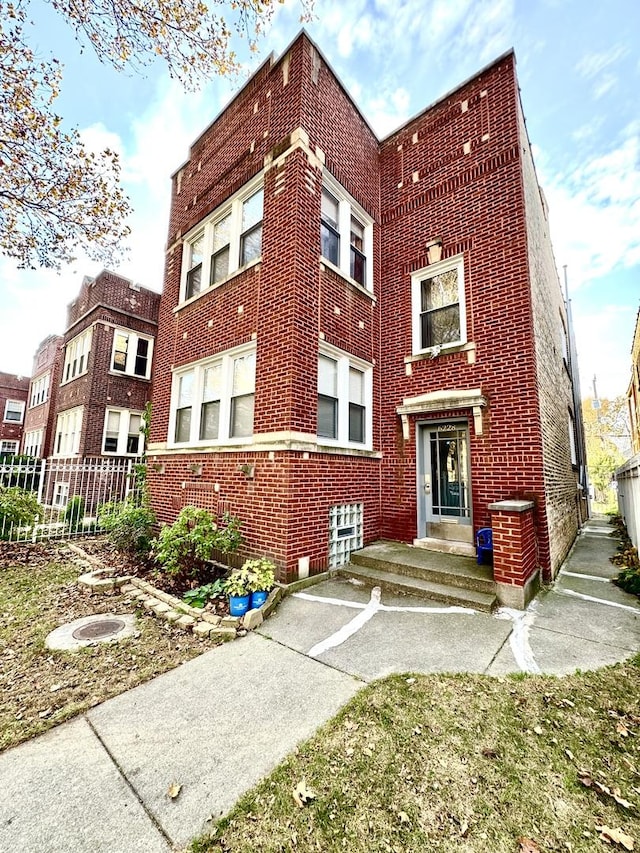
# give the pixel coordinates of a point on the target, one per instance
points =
(345, 532)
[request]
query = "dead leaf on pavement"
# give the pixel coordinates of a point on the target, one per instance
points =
(527, 845)
(617, 836)
(173, 790)
(303, 795)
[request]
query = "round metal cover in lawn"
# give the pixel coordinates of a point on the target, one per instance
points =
(99, 628)
(102, 630)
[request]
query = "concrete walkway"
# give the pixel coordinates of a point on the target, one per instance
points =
(219, 723)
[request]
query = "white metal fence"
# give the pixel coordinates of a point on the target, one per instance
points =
(628, 479)
(59, 498)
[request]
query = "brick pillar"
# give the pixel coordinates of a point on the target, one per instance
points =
(515, 553)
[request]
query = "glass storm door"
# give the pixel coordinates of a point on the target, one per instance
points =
(444, 479)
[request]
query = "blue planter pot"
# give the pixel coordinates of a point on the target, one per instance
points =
(238, 604)
(258, 598)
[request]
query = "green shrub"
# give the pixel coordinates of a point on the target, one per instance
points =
(128, 526)
(74, 513)
(18, 508)
(261, 574)
(184, 547)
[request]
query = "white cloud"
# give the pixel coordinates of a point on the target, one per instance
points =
(610, 362)
(595, 210)
(593, 63)
(605, 84)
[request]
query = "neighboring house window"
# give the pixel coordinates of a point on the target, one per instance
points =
(76, 356)
(68, 429)
(132, 354)
(33, 442)
(39, 391)
(14, 411)
(122, 434)
(572, 439)
(438, 305)
(229, 239)
(345, 393)
(8, 447)
(60, 495)
(213, 401)
(346, 234)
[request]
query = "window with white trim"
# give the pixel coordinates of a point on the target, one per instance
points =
(8, 447)
(68, 430)
(346, 234)
(60, 494)
(39, 390)
(437, 296)
(122, 435)
(14, 411)
(228, 240)
(131, 354)
(33, 442)
(76, 356)
(213, 400)
(345, 392)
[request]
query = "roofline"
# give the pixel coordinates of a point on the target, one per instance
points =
(474, 76)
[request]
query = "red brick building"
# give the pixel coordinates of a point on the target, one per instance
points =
(13, 402)
(105, 369)
(40, 419)
(362, 339)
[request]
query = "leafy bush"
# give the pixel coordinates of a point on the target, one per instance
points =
(201, 595)
(261, 574)
(74, 513)
(184, 547)
(237, 584)
(128, 526)
(18, 508)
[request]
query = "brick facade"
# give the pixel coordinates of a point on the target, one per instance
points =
(40, 419)
(13, 389)
(105, 306)
(458, 176)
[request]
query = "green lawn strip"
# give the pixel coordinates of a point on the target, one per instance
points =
(40, 688)
(456, 762)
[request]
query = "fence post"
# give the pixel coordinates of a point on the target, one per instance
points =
(128, 479)
(43, 465)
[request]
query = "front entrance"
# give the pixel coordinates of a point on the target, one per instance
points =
(444, 488)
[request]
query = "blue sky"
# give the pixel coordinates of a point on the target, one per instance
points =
(579, 71)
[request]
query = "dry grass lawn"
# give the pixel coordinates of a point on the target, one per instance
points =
(459, 763)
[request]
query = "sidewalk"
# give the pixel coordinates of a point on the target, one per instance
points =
(219, 723)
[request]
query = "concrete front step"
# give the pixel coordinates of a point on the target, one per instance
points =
(432, 566)
(396, 582)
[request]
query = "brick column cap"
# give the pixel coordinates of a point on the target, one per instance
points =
(512, 506)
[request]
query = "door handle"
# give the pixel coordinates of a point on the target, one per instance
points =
(427, 484)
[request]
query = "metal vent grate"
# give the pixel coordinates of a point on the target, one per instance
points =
(345, 532)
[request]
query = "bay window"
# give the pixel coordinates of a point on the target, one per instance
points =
(131, 354)
(122, 435)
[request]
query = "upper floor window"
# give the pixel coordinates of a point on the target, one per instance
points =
(438, 305)
(230, 239)
(345, 391)
(33, 442)
(76, 356)
(122, 434)
(68, 429)
(213, 401)
(39, 391)
(346, 234)
(131, 354)
(14, 411)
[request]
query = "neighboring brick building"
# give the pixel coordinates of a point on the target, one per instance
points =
(633, 394)
(13, 402)
(40, 419)
(362, 339)
(105, 373)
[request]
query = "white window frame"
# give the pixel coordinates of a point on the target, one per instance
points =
(344, 362)
(348, 207)
(123, 432)
(226, 359)
(417, 278)
(39, 390)
(132, 350)
(17, 406)
(205, 229)
(60, 495)
(68, 432)
(33, 443)
(6, 450)
(76, 356)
